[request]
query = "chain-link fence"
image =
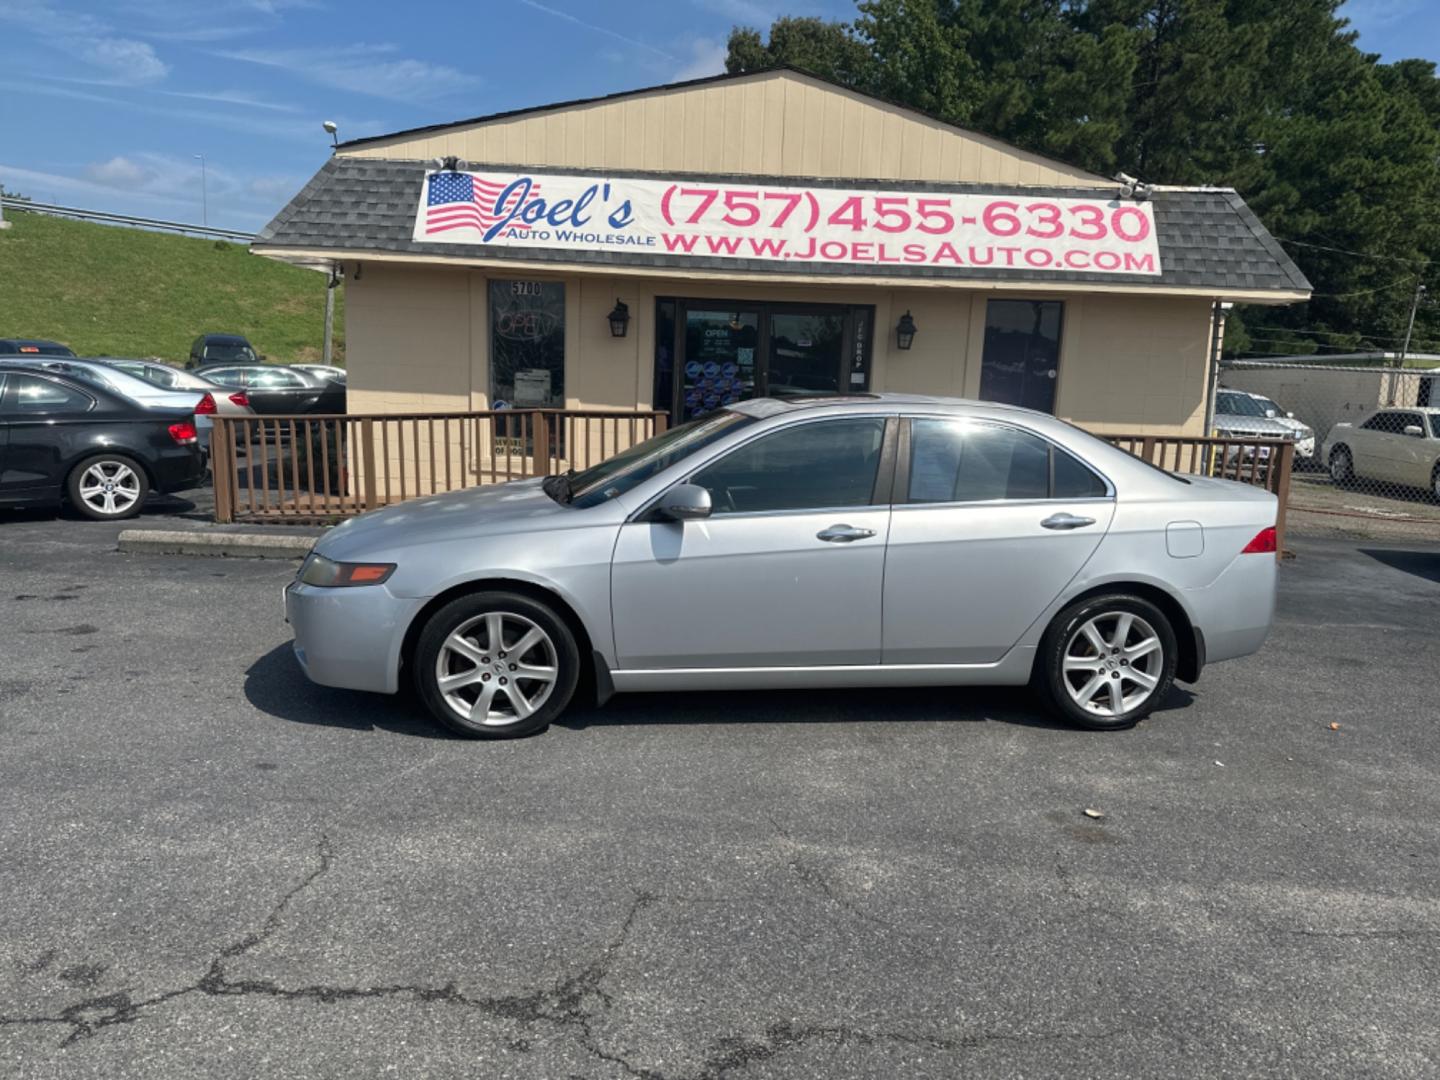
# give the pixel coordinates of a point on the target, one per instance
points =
(1367, 442)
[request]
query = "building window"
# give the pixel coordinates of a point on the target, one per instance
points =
(1022, 352)
(527, 344)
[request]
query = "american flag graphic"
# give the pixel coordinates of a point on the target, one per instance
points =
(456, 200)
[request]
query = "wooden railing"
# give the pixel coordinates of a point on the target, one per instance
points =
(318, 468)
(1265, 463)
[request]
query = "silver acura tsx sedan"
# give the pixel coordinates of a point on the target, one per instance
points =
(879, 540)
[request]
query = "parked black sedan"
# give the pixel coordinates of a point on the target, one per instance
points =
(277, 390)
(33, 347)
(62, 439)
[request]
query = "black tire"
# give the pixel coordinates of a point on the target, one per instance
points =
(1342, 466)
(1052, 681)
(118, 463)
(515, 612)
(1435, 482)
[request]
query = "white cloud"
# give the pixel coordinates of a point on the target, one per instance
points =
(364, 69)
(707, 57)
(85, 38)
(118, 172)
(597, 28)
(233, 97)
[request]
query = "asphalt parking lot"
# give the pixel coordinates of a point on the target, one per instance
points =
(209, 867)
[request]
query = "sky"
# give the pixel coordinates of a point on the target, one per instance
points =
(106, 105)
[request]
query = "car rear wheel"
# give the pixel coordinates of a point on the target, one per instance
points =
(1342, 468)
(496, 665)
(1107, 661)
(108, 487)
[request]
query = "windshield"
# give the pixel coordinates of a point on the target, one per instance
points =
(230, 354)
(1238, 405)
(1267, 406)
(634, 466)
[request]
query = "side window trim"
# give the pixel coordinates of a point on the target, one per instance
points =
(887, 439)
(902, 470)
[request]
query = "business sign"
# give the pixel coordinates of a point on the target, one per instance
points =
(811, 225)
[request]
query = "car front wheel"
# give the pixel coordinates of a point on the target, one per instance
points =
(496, 665)
(1107, 661)
(108, 487)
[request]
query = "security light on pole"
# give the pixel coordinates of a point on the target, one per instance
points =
(330, 129)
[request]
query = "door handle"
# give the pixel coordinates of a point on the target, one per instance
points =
(843, 534)
(1066, 521)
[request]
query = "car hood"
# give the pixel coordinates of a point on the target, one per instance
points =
(475, 512)
(1252, 425)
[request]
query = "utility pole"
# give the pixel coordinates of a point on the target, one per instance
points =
(330, 313)
(204, 197)
(1409, 329)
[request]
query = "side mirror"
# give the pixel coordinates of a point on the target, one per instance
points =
(1289, 416)
(684, 502)
(1415, 431)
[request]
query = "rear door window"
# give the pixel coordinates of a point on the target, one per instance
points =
(973, 461)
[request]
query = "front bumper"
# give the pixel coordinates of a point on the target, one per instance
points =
(349, 637)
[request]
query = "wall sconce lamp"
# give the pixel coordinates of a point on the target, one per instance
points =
(905, 332)
(619, 318)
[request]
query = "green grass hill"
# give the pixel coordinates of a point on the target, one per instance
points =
(105, 290)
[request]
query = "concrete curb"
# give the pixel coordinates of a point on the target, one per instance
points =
(232, 545)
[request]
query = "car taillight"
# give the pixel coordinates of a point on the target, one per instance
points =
(206, 406)
(240, 399)
(1263, 544)
(183, 432)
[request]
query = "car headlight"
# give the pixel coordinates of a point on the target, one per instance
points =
(1306, 432)
(328, 574)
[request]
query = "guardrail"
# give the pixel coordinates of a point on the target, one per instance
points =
(105, 218)
(319, 468)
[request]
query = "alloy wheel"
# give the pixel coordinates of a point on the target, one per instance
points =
(1112, 663)
(110, 487)
(1339, 466)
(496, 669)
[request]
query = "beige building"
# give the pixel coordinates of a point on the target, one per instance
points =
(685, 246)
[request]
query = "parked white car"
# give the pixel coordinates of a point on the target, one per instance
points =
(1398, 445)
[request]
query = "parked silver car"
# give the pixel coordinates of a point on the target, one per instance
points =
(1301, 432)
(877, 540)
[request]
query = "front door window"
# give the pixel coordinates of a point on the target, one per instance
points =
(1022, 353)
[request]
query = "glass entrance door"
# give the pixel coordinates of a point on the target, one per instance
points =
(709, 354)
(718, 366)
(805, 353)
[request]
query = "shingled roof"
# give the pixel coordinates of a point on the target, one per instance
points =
(1208, 238)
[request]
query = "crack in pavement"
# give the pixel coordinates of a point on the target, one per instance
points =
(574, 1003)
